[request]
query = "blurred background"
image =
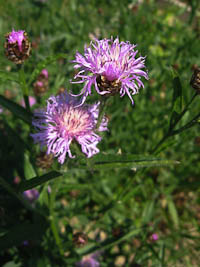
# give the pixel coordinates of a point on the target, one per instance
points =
(159, 201)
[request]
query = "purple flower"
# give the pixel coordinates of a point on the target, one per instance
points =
(112, 67)
(154, 237)
(17, 46)
(88, 261)
(16, 37)
(45, 73)
(31, 195)
(26, 243)
(64, 121)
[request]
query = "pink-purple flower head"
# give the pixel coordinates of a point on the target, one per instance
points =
(17, 46)
(16, 37)
(112, 67)
(63, 121)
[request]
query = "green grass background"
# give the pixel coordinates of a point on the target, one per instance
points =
(162, 200)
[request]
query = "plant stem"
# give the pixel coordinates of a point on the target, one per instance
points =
(24, 87)
(101, 110)
(170, 132)
(53, 224)
(186, 126)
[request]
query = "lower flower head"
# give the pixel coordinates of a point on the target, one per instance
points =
(112, 67)
(17, 46)
(41, 85)
(31, 195)
(64, 121)
(89, 261)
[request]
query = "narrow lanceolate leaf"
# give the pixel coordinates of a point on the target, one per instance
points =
(148, 212)
(8, 76)
(177, 102)
(16, 109)
(173, 212)
(22, 232)
(38, 180)
(41, 65)
(102, 161)
(29, 171)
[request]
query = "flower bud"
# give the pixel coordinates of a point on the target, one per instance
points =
(41, 85)
(44, 161)
(80, 239)
(17, 46)
(195, 80)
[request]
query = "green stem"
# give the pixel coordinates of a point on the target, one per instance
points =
(186, 126)
(170, 131)
(52, 216)
(101, 110)
(184, 111)
(24, 87)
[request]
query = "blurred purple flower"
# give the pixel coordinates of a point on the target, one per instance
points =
(45, 73)
(25, 243)
(88, 261)
(154, 237)
(31, 195)
(32, 101)
(1, 109)
(16, 37)
(49, 189)
(62, 122)
(39, 84)
(112, 67)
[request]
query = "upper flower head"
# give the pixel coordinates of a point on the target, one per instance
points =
(16, 37)
(62, 121)
(112, 67)
(17, 46)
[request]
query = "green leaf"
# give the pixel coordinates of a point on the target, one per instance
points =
(8, 76)
(21, 232)
(38, 180)
(172, 211)
(110, 161)
(177, 102)
(41, 65)
(148, 212)
(165, 145)
(102, 161)
(29, 171)
(16, 109)
(12, 264)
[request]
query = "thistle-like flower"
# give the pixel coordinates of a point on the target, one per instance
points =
(17, 46)
(64, 121)
(112, 67)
